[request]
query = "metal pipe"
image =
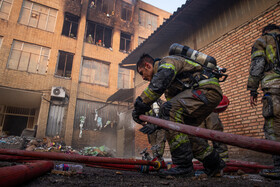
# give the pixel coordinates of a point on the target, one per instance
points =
(260, 145)
(76, 157)
(16, 175)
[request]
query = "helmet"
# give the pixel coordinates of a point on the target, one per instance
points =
(222, 106)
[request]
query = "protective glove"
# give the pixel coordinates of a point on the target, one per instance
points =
(135, 116)
(149, 128)
(139, 108)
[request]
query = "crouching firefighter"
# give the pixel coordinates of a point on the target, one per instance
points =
(192, 93)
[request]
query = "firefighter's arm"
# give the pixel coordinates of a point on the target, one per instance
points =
(159, 83)
(256, 71)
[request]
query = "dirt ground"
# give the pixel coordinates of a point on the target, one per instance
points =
(108, 177)
(91, 176)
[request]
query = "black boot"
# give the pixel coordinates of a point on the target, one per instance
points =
(213, 164)
(272, 173)
(178, 171)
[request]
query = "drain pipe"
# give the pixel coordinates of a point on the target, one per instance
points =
(260, 145)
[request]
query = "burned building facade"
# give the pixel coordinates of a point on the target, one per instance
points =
(59, 64)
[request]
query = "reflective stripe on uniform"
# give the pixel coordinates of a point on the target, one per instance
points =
(270, 77)
(257, 53)
(224, 154)
(209, 81)
(178, 116)
(192, 63)
(178, 141)
(168, 66)
(205, 153)
(151, 94)
(270, 53)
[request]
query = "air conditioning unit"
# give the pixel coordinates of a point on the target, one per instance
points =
(58, 92)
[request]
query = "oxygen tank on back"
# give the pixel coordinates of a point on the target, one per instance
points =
(203, 59)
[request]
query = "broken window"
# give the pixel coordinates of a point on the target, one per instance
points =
(70, 26)
(64, 66)
(124, 80)
(141, 40)
(98, 34)
(148, 20)
(105, 6)
(126, 11)
(5, 8)
(95, 72)
(38, 16)
(125, 45)
(28, 57)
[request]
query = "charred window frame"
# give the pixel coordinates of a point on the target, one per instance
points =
(5, 8)
(28, 57)
(70, 25)
(95, 72)
(125, 43)
(98, 34)
(38, 16)
(64, 65)
(126, 13)
(105, 6)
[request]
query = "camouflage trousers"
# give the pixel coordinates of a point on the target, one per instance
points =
(213, 122)
(187, 108)
(271, 113)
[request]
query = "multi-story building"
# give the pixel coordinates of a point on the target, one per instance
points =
(59, 63)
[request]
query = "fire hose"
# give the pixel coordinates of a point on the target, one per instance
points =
(260, 145)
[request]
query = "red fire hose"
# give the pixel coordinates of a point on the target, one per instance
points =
(260, 145)
(16, 175)
(76, 157)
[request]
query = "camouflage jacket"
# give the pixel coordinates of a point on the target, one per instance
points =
(168, 71)
(263, 56)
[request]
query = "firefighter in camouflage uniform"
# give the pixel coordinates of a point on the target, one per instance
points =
(184, 105)
(265, 69)
(214, 122)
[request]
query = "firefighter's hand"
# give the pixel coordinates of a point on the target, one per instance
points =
(149, 128)
(253, 101)
(135, 116)
(139, 108)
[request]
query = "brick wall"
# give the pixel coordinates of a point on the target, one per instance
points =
(233, 51)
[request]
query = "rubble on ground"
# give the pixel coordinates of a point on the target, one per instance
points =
(54, 144)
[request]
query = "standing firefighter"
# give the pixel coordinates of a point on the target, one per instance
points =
(265, 68)
(191, 94)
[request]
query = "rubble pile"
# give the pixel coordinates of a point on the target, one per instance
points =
(55, 144)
